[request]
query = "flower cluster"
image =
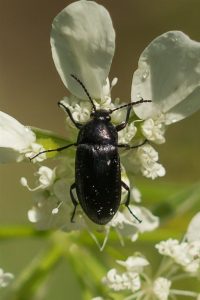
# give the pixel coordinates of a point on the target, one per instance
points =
(137, 279)
(168, 74)
(186, 254)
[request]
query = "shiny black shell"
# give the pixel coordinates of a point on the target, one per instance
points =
(97, 169)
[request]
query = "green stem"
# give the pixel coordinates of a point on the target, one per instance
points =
(28, 284)
(184, 293)
(88, 270)
(181, 276)
(134, 296)
(15, 231)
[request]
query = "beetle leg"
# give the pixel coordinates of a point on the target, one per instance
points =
(123, 124)
(126, 187)
(78, 125)
(74, 201)
(127, 146)
(52, 150)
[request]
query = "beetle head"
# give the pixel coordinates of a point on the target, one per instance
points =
(101, 114)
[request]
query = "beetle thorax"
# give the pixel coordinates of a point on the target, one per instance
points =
(99, 130)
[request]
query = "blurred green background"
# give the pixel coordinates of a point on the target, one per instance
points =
(30, 88)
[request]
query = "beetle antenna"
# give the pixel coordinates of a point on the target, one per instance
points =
(85, 90)
(130, 104)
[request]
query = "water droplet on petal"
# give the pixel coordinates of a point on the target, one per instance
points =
(173, 39)
(174, 120)
(145, 75)
(139, 96)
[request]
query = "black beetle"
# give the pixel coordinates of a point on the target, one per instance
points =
(97, 168)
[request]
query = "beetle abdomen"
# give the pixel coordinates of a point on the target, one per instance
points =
(98, 181)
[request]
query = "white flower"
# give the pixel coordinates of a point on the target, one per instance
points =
(167, 247)
(185, 254)
(149, 221)
(168, 70)
(52, 204)
(46, 178)
(154, 130)
(141, 284)
(161, 288)
(130, 279)
(53, 208)
(145, 159)
(16, 141)
(169, 74)
(5, 278)
(80, 109)
(136, 195)
(127, 134)
(134, 263)
(81, 112)
(122, 281)
(127, 226)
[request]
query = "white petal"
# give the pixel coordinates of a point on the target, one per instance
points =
(5, 278)
(14, 138)
(134, 263)
(83, 44)
(47, 176)
(149, 221)
(168, 74)
(193, 231)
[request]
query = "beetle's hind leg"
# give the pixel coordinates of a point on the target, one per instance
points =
(74, 201)
(126, 187)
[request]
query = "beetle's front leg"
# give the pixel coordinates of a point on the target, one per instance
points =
(123, 124)
(126, 187)
(78, 125)
(127, 146)
(53, 150)
(74, 201)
